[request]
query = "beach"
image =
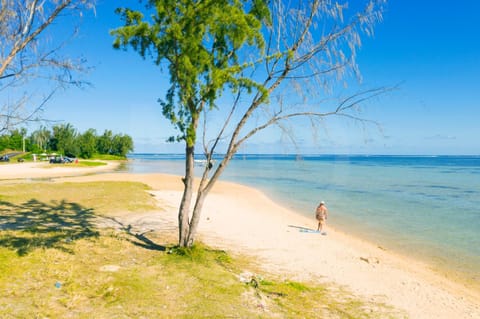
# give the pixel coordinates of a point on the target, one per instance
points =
(244, 220)
(39, 170)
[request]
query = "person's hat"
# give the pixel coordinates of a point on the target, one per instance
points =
(322, 202)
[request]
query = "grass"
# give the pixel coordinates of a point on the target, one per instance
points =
(87, 163)
(101, 197)
(80, 163)
(54, 263)
(107, 157)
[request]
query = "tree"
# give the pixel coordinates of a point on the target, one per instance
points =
(29, 54)
(121, 145)
(104, 142)
(14, 140)
(255, 51)
(4, 142)
(64, 140)
(40, 138)
(87, 143)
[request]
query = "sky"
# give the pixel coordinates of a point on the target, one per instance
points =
(429, 50)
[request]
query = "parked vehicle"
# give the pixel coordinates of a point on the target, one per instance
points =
(57, 160)
(61, 160)
(4, 158)
(68, 160)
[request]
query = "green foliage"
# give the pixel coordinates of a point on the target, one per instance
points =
(64, 139)
(88, 143)
(14, 140)
(39, 139)
(104, 142)
(121, 145)
(200, 41)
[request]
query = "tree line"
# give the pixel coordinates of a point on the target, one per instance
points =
(65, 139)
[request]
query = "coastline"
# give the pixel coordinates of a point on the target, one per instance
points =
(398, 202)
(467, 278)
(245, 220)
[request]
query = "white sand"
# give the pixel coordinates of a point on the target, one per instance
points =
(45, 170)
(243, 219)
(249, 221)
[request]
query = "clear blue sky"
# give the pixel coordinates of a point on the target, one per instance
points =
(432, 48)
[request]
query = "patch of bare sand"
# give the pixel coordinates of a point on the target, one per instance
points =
(36, 170)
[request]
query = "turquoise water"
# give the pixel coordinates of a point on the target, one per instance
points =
(426, 207)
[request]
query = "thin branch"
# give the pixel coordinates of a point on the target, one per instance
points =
(354, 100)
(22, 44)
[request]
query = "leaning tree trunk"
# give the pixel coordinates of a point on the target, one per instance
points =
(197, 209)
(184, 210)
(206, 184)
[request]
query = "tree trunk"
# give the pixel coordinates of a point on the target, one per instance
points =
(203, 190)
(197, 210)
(184, 210)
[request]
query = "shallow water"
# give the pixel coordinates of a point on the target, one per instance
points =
(425, 207)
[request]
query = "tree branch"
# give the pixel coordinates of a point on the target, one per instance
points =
(25, 41)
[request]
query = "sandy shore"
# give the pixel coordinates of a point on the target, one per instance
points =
(35, 170)
(242, 219)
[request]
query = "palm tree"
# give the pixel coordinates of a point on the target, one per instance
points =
(40, 137)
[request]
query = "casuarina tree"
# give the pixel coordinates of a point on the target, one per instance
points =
(252, 64)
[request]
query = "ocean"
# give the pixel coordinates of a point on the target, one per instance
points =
(425, 207)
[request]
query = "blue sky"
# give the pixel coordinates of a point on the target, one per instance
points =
(430, 48)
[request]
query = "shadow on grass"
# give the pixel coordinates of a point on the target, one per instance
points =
(34, 224)
(142, 240)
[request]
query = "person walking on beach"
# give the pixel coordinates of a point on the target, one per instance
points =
(321, 215)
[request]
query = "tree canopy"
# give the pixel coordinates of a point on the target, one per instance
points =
(279, 60)
(199, 40)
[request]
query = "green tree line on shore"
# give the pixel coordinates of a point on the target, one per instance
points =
(66, 140)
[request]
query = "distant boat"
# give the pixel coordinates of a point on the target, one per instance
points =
(200, 162)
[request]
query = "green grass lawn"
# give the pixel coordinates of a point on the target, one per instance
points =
(80, 163)
(55, 263)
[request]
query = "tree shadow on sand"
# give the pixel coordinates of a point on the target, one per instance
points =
(34, 224)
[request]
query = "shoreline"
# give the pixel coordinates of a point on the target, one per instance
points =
(468, 276)
(243, 219)
(417, 233)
